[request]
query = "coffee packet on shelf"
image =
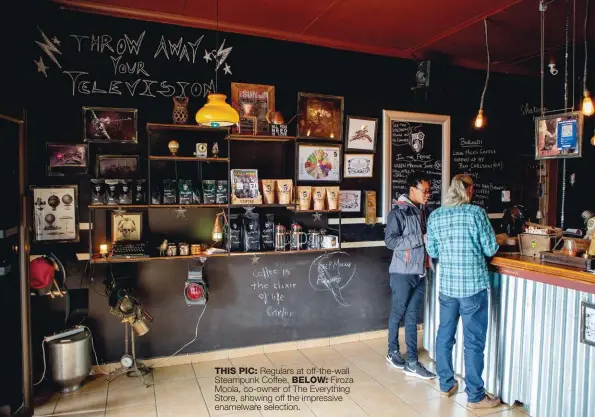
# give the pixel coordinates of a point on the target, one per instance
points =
(170, 192)
(111, 192)
(268, 233)
(140, 192)
(209, 191)
(125, 196)
(222, 192)
(196, 193)
(234, 233)
(185, 191)
(98, 192)
(251, 232)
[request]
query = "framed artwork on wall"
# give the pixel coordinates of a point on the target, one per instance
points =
(117, 166)
(587, 328)
(65, 159)
(127, 226)
(319, 163)
(559, 136)
(361, 134)
(110, 125)
(359, 165)
(253, 102)
(350, 201)
(55, 213)
(320, 117)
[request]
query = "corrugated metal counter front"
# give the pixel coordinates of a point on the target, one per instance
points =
(533, 350)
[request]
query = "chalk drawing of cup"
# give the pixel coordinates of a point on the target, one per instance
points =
(332, 272)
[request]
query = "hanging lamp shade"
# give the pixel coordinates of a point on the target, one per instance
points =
(217, 113)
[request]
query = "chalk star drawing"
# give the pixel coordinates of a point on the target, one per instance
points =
(49, 48)
(119, 212)
(56, 41)
(227, 69)
(180, 213)
(317, 217)
(255, 259)
(41, 66)
(207, 56)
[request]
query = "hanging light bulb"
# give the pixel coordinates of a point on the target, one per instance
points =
(593, 139)
(588, 109)
(479, 120)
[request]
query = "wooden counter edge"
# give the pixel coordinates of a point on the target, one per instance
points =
(532, 269)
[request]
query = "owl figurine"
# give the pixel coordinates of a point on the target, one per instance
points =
(180, 113)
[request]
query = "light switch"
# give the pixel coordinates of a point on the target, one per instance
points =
(506, 196)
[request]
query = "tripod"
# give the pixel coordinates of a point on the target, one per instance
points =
(129, 365)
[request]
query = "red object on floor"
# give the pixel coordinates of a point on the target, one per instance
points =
(41, 273)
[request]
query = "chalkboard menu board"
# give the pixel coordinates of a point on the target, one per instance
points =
(484, 164)
(416, 147)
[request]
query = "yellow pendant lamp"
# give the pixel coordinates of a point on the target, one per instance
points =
(216, 112)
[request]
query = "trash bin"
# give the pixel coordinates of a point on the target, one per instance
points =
(70, 359)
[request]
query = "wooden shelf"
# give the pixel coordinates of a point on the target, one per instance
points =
(260, 138)
(187, 158)
(118, 206)
(287, 206)
(316, 211)
(178, 206)
(282, 252)
(192, 128)
(109, 260)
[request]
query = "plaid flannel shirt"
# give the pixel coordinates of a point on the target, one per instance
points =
(461, 238)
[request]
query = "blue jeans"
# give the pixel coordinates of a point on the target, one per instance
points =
(408, 293)
(474, 312)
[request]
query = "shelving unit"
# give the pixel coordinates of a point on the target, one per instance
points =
(260, 138)
(187, 158)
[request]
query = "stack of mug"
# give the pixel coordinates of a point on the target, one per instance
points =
(324, 198)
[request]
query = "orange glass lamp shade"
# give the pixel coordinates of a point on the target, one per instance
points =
(217, 113)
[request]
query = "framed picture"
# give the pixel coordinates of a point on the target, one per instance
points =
(350, 201)
(559, 136)
(127, 226)
(320, 117)
(361, 134)
(359, 165)
(64, 158)
(55, 213)
(110, 125)
(319, 163)
(587, 323)
(117, 166)
(253, 102)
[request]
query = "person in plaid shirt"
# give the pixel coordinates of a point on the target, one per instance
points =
(460, 236)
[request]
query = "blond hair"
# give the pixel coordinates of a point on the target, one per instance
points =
(457, 194)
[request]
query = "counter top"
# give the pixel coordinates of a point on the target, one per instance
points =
(530, 268)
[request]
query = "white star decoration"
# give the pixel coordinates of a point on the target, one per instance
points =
(317, 217)
(207, 56)
(56, 41)
(227, 69)
(255, 259)
(180, 213)
(41, 66)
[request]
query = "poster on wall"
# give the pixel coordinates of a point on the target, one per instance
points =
(559, 136)
(320, 117)
(55, 213)
(109, 125)
(361, 134)
(253, 102)
(319, 163)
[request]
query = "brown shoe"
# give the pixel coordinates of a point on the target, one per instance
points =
(452, 391)
(487, 402)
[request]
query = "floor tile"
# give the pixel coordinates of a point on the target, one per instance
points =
(130, 397)
(138, 411)
(242, 414)
(175, 391)
(247, 351)
(403, 411)
(173, 373)
(441, 407)
(319, 353)
(207, 387)
(512, 412)
(373, 397)
(290, 357)
(77, 402)
(95, 383)
(207, 369)
(347, 407)
(189, 407)
(45, 403)
(125, 382)
(412, 391)
(256, 361)
(280, 347)
(461, 399)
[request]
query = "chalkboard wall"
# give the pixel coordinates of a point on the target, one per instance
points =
(92, 60)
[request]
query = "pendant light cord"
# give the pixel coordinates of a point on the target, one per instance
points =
(587, 11)
(567, 33)
(217, 48)
(485, 86)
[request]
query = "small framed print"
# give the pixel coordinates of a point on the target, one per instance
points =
(350, 201)
(127, 226)
(319, 163)
(55, 213)
(117, 166)
(559, 136)
(359, 165)
(587, 328)
(65, 159)
(253, 102)
(361, 134)
(110, 125)
(320, 117)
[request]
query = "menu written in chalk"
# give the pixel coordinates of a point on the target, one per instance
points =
(416, 147)
(482, 163)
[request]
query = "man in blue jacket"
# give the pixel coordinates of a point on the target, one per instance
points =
(405, 236)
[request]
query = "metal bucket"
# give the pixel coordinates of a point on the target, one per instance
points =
(70, 359)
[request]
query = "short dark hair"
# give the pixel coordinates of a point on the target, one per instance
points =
(416, 178)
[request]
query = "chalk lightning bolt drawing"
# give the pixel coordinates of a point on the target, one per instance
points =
(49, 48)
(222, 54)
